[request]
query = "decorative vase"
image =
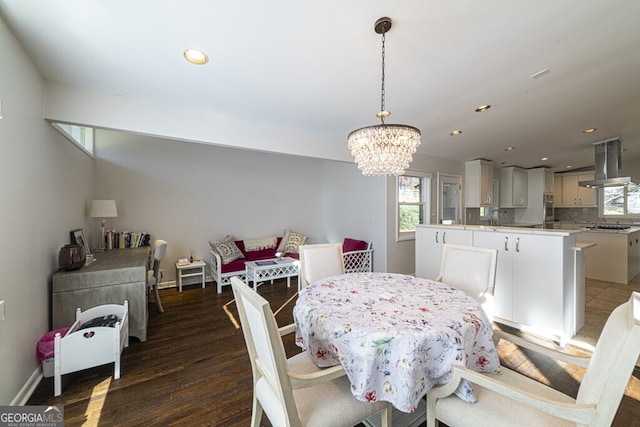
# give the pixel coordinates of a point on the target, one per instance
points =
(71, 257)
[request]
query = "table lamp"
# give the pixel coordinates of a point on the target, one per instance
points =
(103, 209)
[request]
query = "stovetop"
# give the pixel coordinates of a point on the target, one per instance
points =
(609, 227)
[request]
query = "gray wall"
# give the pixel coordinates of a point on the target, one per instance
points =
(189, 193)
(44, 183)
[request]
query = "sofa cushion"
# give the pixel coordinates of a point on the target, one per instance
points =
(290, 242)
(350, 245)
(227, 249)
(233, 266)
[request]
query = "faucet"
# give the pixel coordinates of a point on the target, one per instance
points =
(494, 216)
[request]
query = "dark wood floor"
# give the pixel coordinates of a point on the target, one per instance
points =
(194, 369)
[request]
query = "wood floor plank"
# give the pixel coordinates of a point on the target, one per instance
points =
(194, 368)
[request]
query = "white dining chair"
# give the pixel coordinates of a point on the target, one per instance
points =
(294, 392)
(470, 269)
(153, 275)
(319, 261)
(510, 398)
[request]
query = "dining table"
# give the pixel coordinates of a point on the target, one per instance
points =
(395, 335)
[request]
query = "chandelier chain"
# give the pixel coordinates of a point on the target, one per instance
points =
(382, 91)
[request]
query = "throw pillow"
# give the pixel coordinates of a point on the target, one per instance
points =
(212, 243)
(350, 245)
(228, 250)
(290, 242)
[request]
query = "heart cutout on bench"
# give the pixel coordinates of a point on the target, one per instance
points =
(89, 334)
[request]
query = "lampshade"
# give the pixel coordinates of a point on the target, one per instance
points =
(384, 149)
(103, 209)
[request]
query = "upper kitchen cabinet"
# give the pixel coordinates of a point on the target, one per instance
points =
(572, 194)
(479, 183)
(513, 187)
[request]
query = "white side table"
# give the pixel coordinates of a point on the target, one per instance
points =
(193, 269)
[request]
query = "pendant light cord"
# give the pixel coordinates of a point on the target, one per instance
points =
(382, 110)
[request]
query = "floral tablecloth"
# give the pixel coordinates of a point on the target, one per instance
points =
(396, 335)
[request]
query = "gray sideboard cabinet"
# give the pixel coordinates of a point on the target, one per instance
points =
(115, 276)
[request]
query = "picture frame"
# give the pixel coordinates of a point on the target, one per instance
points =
(78, 237)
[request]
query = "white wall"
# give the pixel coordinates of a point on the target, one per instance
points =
(189, 193)
(44, 181)
(354, 206)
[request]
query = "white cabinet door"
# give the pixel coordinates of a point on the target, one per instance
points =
(479, 183)
(429, 242)
(574, 195)
(586, 196)
(514, 187)
(538, 280)
(529, 278)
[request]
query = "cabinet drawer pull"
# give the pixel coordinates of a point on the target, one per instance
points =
(437, 237)
(517, 244)
(444, 237)
(506, 243)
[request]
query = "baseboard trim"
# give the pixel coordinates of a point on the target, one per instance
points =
(28, 388)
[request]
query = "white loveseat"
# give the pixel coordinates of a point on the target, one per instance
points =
(358, 257)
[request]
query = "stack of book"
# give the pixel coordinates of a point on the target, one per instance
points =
(126, 239)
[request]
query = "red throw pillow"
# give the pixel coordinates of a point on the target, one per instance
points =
(350, 245)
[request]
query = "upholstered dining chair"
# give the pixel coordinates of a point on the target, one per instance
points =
(509, 398)
(319, 261)
(470, 269)
(153, 275)
(294, 392)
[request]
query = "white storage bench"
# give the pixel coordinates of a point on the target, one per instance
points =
(98, 343)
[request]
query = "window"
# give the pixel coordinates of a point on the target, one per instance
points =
(621, 201)
(79, 135)
(412, 194)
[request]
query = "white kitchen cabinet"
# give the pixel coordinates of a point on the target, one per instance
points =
(479, 183)
(549, 181)
(535, 283)
(513, 187)
(633, 255)
(572, 194)
(429, 240)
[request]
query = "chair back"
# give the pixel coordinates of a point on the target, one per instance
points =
(612, 362)
(469, 268)
(319, 261)
(159, 252)
(271, 383)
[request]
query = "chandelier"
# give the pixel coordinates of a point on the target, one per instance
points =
(383, 149)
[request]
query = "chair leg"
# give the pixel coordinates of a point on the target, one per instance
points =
(385, 416)
(256, 413)
(158, 302)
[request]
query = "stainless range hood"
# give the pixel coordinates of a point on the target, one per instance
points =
(608, 156)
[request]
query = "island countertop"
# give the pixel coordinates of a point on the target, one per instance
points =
(506, 229)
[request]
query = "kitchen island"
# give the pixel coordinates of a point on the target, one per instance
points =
(539, 277)
(616, 257)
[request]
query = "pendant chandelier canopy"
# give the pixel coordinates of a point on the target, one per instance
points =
(383, 149)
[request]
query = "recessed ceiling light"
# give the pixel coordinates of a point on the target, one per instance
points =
(196, 56)
(544, 159)
(509, 148)
(568, 167)
(540, 73)
(455, 133)
(590, 130)
(482, 108)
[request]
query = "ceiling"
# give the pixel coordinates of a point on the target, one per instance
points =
(315, 67)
